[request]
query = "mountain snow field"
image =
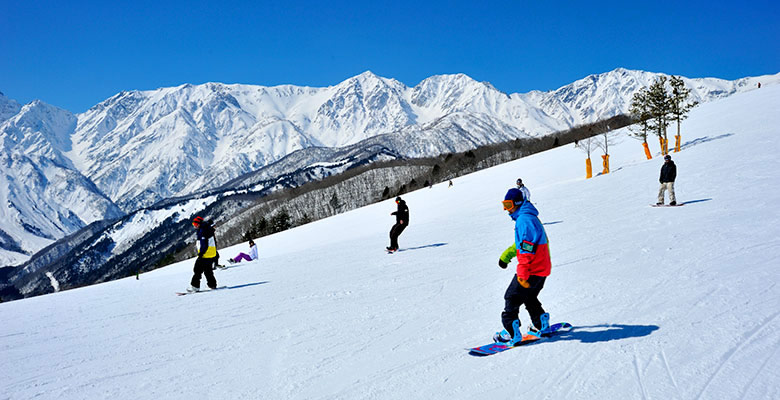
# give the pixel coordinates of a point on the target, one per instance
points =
(666, 303)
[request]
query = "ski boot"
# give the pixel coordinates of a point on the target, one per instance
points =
(193, 289)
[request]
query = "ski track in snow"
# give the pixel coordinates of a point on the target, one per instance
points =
(727, 357)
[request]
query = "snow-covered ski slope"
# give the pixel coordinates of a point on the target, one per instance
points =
(667, 303)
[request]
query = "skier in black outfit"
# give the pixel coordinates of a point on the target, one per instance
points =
(401, 222)
(668, 175)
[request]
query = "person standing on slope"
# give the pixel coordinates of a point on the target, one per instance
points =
(668, 175)
(533, 268)
(524, 189)
(401, 222)
(207, 251)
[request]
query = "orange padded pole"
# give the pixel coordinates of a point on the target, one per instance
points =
(647, 151)
(588, 169)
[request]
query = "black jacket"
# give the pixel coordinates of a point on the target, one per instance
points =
(668, 172)
(402, 214)
(204, 233)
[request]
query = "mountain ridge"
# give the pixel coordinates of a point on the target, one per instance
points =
(140, 147)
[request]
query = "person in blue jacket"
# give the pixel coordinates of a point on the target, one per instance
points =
(533, 267)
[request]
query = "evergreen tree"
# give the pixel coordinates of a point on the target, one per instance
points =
(679, 105)
(641, 114)
(660, 107)
(258, 228)
(305, 219)
(280, 221)
(334, 202)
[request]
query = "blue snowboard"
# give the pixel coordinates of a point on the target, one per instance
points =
(493, 348)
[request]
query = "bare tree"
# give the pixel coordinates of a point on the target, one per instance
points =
(606, 138)
(587, 145)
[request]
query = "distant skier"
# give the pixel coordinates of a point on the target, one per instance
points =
(524, 189)
(207, 250)
(248, 257)
(533, 268)
(668, 175)
(401, 222)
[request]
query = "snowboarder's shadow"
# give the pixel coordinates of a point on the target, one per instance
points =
(697, 201)
(552, 223)
(604, 333)
(422, 247)
(704, 139)
(246, 285)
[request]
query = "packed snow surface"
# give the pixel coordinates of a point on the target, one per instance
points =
(666, 302)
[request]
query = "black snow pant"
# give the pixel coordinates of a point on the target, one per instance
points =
(204, 266)
(516, 296)
(395, 231)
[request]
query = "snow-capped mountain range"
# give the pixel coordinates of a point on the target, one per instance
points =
(63, 171)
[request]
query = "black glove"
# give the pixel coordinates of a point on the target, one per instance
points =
(502, 264)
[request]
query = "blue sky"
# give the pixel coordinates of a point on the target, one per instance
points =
(75, 54)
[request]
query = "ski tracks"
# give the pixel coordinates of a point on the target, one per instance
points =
(669, 370)
(727, 357)
(655, 378)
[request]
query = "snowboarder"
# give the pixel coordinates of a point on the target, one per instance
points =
(533, 268)
(668, 175)
(207, 251)
(524, 189)
(401, 222)
(243, 256)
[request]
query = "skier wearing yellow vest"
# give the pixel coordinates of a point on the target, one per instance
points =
(207, 251)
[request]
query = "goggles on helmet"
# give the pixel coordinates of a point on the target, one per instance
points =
(508, 204)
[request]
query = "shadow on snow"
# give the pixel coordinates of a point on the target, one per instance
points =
(422, 247)
(604, 333)
(246, 285)
(697, 201)
(705, 139)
